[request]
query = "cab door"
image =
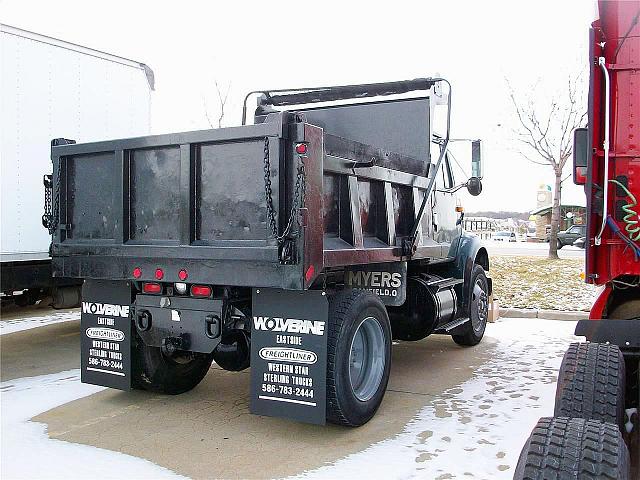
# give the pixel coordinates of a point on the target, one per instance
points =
(446, 227)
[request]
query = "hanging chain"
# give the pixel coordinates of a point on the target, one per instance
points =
(51, 212)
(298, 197)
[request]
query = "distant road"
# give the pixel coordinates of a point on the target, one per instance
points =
(530, 249)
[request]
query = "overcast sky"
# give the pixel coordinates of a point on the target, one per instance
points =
(536, 45)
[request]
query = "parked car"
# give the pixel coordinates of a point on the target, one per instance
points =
(570, 235)
(580, 242)
(505, 237)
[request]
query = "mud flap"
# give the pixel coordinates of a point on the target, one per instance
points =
(105, 339)
(289, 354)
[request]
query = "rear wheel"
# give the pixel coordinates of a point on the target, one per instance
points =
(472, 332)
(560, 244)
(591, 383)
(359, 357)
(157, 371)
(572, 449)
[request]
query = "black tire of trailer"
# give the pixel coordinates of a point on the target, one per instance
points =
(591, 383)
(572, 449)
(348, 309)
(156, 372)
(471, 333)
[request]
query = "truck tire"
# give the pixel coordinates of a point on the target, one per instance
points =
(358, 357)
(472, 332)
(573, 449)
(157, 372)
(591, 383)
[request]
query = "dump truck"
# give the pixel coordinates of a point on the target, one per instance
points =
(96, 95)
(299, 245)
(595, 431)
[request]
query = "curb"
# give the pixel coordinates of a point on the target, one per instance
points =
(543, 314)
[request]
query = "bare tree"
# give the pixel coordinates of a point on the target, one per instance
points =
(222, 102)
(545, 135)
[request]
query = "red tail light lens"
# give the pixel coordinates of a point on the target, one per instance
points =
(137, 272)
(182, 274)
(159, 273)
(301, 148)
(200, 291)
(153, 288)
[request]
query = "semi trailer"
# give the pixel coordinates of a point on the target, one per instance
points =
(299, 245)
(51, 86)
(595, 431)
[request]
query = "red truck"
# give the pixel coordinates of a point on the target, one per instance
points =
(594, 432)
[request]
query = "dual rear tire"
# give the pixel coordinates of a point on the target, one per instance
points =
(583, 439)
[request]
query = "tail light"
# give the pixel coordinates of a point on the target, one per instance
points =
(152, 288)
(137, 272)
(200, 291)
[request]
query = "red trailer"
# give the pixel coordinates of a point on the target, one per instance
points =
(595, 429)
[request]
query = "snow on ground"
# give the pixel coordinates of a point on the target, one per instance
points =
(537, 282)
(27, 451)
(19, 324)
(475, 430)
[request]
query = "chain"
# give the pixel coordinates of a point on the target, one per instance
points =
(51, 214)
(298, 196)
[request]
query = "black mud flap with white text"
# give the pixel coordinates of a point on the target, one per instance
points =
(289, 354)
(387, 280)
(105, 339)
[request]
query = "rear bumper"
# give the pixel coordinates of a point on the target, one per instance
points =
(229, 272)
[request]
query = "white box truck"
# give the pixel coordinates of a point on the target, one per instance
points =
(50, 88)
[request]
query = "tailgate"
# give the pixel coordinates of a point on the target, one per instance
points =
(191, 196)
(203, 188)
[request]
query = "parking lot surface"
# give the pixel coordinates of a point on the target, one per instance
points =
(448, 411)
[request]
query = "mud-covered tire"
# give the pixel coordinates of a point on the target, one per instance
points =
(573, 449)
(471, 333)
(350, 310)
(157, 372)
(591, 383)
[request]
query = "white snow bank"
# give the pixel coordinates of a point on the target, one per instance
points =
(27, 451)
(475, 430)
(20, 324)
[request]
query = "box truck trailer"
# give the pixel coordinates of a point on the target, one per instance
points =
(48, 88)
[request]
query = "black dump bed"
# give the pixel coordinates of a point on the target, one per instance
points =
(197, 200)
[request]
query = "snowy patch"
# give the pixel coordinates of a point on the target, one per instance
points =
(27, 451)
(475, 430)
(540, 283)
(20, 324)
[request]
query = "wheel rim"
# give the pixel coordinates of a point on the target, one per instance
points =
(479, 306)
(367, 359)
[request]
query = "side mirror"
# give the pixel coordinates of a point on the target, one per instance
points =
(580, 155)
(476, 159)
(474, 186)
